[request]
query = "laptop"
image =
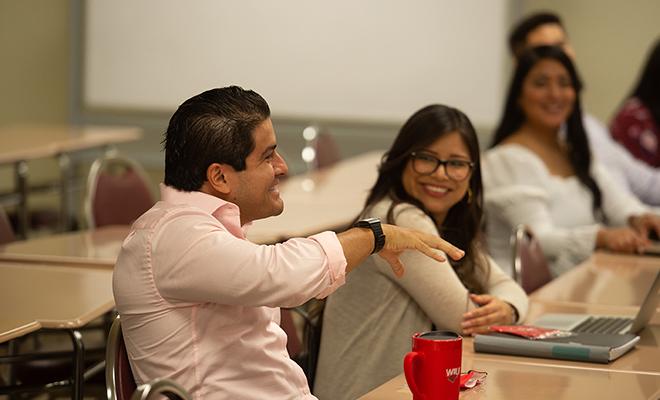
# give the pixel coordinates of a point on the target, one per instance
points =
(581, 323)
(653, 249)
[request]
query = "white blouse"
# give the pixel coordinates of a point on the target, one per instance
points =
(519, 189)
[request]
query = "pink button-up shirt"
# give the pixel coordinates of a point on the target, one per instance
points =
(199, 303)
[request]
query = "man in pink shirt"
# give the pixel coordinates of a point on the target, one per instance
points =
(199, 303)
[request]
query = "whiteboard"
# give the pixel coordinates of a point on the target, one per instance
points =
(367, 60)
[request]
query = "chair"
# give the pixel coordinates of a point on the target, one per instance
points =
(117, 192)
(320, 150)
(306, 353)
(312, 337)
(293, 343)
(327, 152)
(119, 381)
(158, 388)
(6, 230)
(530, 268)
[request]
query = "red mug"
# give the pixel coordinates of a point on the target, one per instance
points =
(433, 367)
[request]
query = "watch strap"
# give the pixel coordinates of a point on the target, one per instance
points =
(376, 229)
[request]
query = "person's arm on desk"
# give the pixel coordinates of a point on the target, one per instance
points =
(491, 311)
(647, 224)
(630, 239)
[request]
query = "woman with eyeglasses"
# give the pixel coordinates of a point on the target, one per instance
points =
(540, 172)
(429, 180)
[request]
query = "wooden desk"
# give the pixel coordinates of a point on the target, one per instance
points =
(13, 326)
(604, 278)
(605, 284)
(98, 247)
(636, 375)
(55, 297)
(34, 296)
(325, 199)
(21, 143)
(538, 382)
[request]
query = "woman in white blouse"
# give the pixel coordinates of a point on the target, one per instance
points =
(540, 172)
(429, 180)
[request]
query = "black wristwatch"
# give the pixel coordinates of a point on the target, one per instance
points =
(374, 225)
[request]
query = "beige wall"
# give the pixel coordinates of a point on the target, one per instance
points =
(34, 48)
(611, 39)
(34, 75)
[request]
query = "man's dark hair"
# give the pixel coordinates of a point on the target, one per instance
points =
(518, 36)
(213, 127)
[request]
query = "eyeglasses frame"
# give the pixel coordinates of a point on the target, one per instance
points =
(442, 163)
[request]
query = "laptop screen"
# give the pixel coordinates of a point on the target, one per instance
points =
(647, 309)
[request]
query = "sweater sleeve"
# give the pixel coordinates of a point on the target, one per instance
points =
(434, 286)
(502, 286)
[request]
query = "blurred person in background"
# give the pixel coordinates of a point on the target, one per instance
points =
(637, 124)
(540, 172)
(546, 28)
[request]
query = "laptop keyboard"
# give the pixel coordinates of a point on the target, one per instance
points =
(602, 325)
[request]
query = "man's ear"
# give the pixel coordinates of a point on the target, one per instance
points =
(218, 178)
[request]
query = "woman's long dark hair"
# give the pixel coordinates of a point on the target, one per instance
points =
(579, 153)
(462, 225)
(648, 87)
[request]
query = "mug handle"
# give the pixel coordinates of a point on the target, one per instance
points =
(408, 368)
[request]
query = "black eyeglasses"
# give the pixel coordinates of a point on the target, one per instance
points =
(426, 164)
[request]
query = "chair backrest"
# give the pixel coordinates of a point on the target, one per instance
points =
(119, 381)
(117, 192)
(306, 351)
(530, 267)
(312, 337)
(158, 388)
(327, 152)
(320, 150)
(293, 343)
(6, 230)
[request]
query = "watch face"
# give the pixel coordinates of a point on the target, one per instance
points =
(370, 221)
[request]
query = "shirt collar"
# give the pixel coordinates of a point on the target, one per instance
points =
(227, 213)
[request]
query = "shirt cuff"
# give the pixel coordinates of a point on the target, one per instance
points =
(336, 261)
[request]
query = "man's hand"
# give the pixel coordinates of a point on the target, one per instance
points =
(492, 311)
(398, 239)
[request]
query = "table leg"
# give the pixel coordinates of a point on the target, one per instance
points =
(66, 198)
(12, 350)
(78, 364)
(20, 182)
